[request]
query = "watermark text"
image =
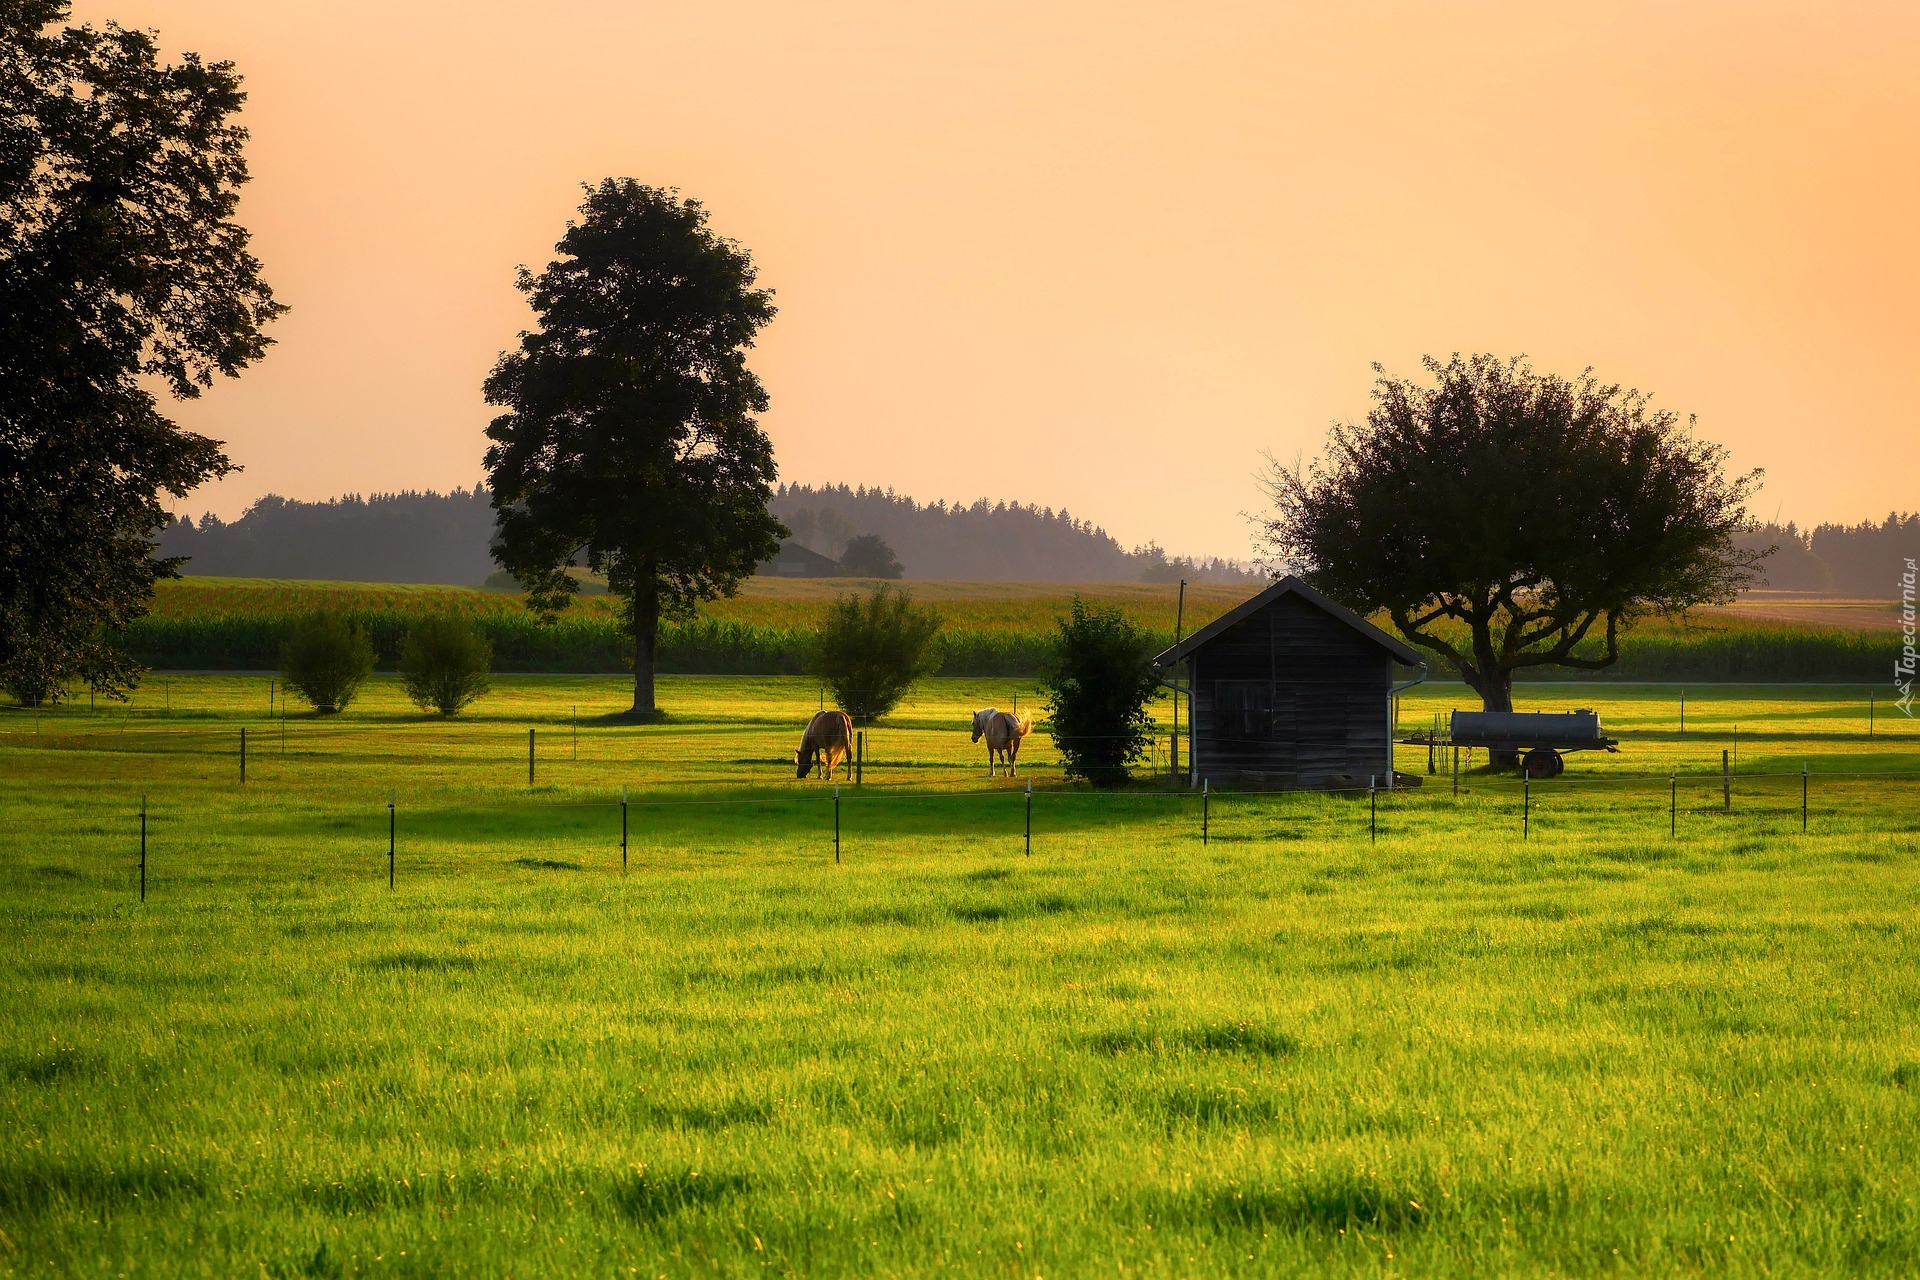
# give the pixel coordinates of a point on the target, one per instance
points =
(1903, 666)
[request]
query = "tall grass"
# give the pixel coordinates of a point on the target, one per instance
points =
(596, 642)
(239, 624)
(571, 644)
(1745, 651)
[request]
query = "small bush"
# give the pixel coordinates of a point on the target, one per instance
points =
(871, 651)
(1098, 687)
(327, 661)
(444, 664)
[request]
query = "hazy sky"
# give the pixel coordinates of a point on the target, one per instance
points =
(1096, 255)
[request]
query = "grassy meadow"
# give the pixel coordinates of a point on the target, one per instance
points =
(1296, 1049)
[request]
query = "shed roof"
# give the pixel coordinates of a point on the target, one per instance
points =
(1291, 585)
(792, 552)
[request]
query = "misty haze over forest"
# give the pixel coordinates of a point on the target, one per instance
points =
(443, 538)
(431, 537)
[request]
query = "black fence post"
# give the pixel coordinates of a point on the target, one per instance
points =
(391, 828)
(1206, 800)
(1726, 782)
(1673, 802)
(1029, 817)
(623, 831)
(243, 753)
(1526, 804)
(1803, 797)
(529, 757)
(1373, 811)
(836, 822)
(143, 848)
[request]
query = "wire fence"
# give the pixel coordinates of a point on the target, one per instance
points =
(1628, 813)
(843, 816)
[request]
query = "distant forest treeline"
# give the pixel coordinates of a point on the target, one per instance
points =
(985, 542)
(387, 537)
(432, 537)
(1863, 559)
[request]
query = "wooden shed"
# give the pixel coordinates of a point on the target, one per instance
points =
(1291, 690)
(795, 561)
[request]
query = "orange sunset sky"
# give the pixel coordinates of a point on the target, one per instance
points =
(1096, 255)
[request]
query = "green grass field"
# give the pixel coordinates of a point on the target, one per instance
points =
(1293, 1050)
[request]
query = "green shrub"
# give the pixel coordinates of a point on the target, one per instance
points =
(444, 663)
(1098, 686)
(327, 660)
(869, 652)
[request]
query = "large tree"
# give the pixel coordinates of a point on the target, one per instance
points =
(630, 444)
(1506, 519)
(121, 268)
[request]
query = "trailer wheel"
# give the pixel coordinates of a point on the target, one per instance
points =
(1543, 762)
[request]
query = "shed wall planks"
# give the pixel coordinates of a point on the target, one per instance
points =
(1290, 697)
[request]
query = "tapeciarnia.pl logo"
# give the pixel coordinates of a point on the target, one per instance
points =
(1903, 666)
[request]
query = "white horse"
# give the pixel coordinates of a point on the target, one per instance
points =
(1003, 731)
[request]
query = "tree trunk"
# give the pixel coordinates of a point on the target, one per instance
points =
(646, 636)
(1496, 694)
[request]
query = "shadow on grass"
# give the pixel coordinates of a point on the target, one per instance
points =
(1330, 1202)
(653, 1195)
(418, 962)
(1320, 1204)
(33, 1187)
(50, 1067)
(1239, 1038)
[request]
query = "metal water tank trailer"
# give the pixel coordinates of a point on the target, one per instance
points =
(1543, 737)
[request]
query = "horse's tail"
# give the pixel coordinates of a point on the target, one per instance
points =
(1022, 725)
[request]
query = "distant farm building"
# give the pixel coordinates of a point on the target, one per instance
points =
(796, 561)
(1290, 690)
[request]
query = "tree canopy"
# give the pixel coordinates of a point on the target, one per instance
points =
(868, 556)
(120, 260)
(630, 441)
(1506, 519)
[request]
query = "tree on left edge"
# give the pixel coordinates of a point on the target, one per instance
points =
(120, 261)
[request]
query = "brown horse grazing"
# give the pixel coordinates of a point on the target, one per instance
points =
(1003, 731)
(829, 734)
